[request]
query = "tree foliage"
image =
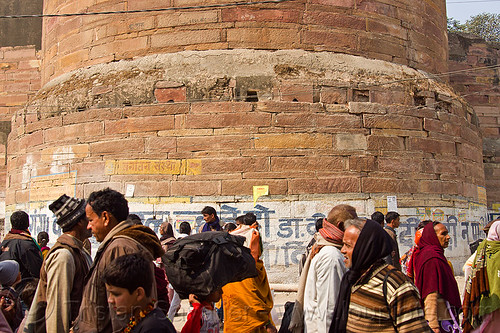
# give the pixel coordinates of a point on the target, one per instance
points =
(485, 25)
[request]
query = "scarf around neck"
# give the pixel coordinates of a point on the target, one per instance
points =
(373, 244)
(208, 226)
(432, 271)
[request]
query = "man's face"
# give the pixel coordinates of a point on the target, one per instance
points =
(351, 235)
(395, 222)
(209, 217)
(98, 224)
(121, 300)
(442, 234)
(86, 232)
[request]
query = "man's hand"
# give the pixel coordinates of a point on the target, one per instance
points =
(193, 299)
(8, 309)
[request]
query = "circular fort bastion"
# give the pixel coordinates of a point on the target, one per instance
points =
(323, 101)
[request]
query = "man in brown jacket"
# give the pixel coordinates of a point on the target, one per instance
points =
(63, 271)
(107, 212)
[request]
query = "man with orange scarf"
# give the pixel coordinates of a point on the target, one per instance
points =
(248, 303)
(321, 276)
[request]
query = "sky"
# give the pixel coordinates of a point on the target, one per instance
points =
(462, 10)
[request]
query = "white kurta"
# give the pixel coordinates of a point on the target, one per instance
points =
(322, 288)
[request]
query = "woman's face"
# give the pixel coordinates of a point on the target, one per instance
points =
(442, 235)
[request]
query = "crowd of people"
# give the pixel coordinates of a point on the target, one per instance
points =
(351, 278)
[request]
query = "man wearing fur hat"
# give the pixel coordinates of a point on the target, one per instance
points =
(107, 212)
(63, 271)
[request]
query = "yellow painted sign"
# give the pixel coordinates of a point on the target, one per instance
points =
(259, 191)
(153, 167)
(481, 195)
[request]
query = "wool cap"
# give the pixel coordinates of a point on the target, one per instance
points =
(9, 270)
(68, 210)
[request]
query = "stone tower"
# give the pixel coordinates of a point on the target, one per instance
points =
(323, 101)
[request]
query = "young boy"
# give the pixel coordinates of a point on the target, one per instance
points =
(43, 240)
(203, 318)
(129, 281)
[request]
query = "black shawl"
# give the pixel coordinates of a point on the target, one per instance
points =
(373, 244)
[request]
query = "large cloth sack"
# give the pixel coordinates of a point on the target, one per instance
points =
(202, 263)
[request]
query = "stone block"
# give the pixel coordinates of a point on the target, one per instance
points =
(221, 107)
(213, 143)
(89, 169)
(289, 107)
(158, 188)
(362, 163)
(242, 14)
(433, 125)
(170, 95)
(367, 107)
(347, 121)
(333, 184)
(53, 122)
(245, 186)
(432, 146)
(329, 40)
(187, 18)
(168, 38)
(143, 124)
(31, 140)
(332, 95)
(235, 164)
(161, 144)
(298, 140)
(117, 146)
(350, 142)
(399, 165)
(377, 142)
(334, 20)
(291, 92)
(94, 114)
(192, 188)
(307, 163)
(155, 110)
(388, 185)
(470, 152)
(228, 120)
(392, 121)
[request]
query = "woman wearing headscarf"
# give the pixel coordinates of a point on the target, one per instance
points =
(435, 280)
(482, 292)
(165, 290)
(374, 296)
(406, 262)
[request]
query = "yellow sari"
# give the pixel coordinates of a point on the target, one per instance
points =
(248, 303)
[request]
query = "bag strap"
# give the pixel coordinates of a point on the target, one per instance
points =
(384, 289)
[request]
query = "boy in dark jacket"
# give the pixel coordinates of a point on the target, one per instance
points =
(129, 284)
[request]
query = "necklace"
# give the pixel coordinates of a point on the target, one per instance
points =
(134, 321)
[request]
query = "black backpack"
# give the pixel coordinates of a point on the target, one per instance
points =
(202, 263)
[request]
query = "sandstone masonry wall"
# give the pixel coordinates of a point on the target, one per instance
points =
(19, 81)
(405, 32)
(481, 89)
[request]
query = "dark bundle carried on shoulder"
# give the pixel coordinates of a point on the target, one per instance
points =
(202, 263)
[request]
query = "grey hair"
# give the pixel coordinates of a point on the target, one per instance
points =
(358, 223)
